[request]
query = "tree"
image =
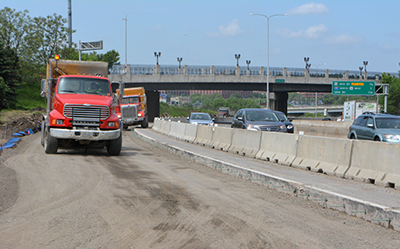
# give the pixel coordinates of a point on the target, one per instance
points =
(13, 27)
(112, 58)
(393, 102)
(9, 76)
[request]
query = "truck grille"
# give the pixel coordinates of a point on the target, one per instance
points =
(129, 111)
(86, 112)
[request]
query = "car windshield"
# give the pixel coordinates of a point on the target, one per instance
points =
(387, 123)
(261, 115)
(130, 100)
(72, 85)
(200, 116)
(281, 116)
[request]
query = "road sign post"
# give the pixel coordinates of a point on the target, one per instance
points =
(353, 87)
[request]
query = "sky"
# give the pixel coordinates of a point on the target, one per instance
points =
(333, 34)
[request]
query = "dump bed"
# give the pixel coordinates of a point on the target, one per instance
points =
(70, 67)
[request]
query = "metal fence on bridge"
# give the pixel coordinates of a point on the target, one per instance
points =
(136, 69)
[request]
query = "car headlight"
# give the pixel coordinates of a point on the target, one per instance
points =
(282, 127)
(392, 137)
(253, 128)
(289, 127)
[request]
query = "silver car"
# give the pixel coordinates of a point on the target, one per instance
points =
(200, 118)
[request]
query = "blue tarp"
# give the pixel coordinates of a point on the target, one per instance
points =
(29, 131)
(17, 134)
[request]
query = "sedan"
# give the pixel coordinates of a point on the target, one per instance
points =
(200, 118)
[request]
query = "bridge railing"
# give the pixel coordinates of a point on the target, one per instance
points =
(137, 69)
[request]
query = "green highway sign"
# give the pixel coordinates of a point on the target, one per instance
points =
(353, 87)
(279, 80)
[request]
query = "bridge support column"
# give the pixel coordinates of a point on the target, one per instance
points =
(153, 104)
(280, 102)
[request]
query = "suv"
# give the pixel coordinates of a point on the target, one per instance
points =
(258, 120)
(377, 127)
(288, 122)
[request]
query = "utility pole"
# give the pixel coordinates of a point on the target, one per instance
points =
(69, 24)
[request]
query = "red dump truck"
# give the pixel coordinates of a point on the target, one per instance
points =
(81, 108)
(132, 108)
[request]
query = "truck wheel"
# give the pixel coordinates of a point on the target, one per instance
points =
(114, 146)
(145, 122)
(51, 144)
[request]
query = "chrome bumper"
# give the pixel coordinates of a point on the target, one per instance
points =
(92, 135)
(131, 120)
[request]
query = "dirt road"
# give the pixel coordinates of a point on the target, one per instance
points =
(147, 198)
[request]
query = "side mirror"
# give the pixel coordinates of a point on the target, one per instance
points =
(121, 89)
(43, 88)
(370, 125)
(290, 119)
(187, 118)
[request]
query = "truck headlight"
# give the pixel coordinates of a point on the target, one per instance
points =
(111, 124)
(139, 115)
(57, 122)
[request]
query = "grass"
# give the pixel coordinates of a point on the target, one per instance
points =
(28, 96)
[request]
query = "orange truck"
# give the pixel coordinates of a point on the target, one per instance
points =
(132, 108)
(81, 108)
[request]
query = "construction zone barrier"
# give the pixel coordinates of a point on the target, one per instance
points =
(177, 130)
(366, 161)
(190, 133)
(376, 163)
(278, 147)
(204, 135)
(323, 154)
(245, 142)
(222, 138)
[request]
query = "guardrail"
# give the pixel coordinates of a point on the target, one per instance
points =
(367, 161)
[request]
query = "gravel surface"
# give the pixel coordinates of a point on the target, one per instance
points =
(148, 198)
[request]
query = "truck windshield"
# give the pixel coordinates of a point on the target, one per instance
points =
(72, 85)
(129, 100)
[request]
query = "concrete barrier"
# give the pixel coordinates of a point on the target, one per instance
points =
(375, 162)
(245, 142)
(165, 127)
(177, 130)
(190, 133)
(278, 147)
(323, 154)
(156, 124)
(204, 135)
(322, 128)
(222, 138)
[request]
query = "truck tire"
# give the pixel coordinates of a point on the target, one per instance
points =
(114, 146)
(145, 122)
(51, 143)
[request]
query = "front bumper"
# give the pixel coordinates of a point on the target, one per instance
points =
(130, 121)
(81, 134)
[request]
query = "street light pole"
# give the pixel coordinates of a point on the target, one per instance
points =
(268, 17)
(157, 55)
(365, 70)
(316, 93)
(179, 61)
(237, 57)
(361, 68)
(126, 40)
(248, 64)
